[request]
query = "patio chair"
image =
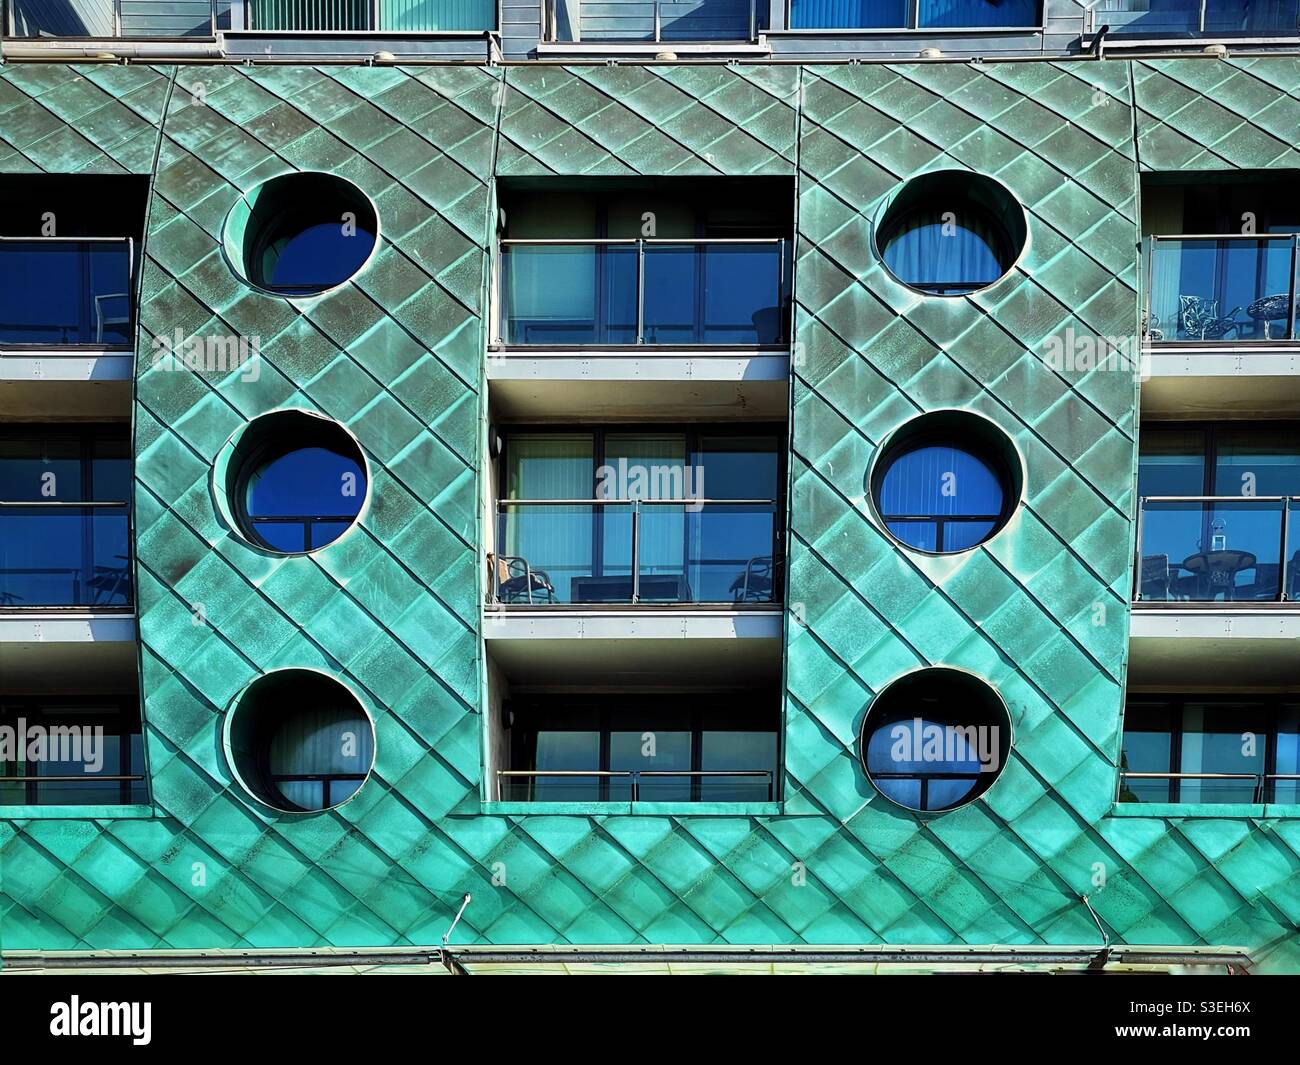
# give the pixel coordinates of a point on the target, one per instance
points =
(1153, 580)
(1199, 318)
(754, 585)
(517, 581)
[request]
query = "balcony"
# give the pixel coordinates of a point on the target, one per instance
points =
(640, 748)
(1196, 18)
(1218, 549)
(66, 293)
(633, 551)
(1185, 749)
(351, 16)
(629, 21)
(630, 292)
(115, 18)
(1222, 289)
(72, 555)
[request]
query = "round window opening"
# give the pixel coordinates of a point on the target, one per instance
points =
(951, 232)
(295, 482)
(935, 739)
(301, 234)
(946, 482)
(299, 741)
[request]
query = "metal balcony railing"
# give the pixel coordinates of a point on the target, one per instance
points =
(634, 778)
(1221, 288)
(66, 292)
(1263, 788)
(406, 16)
(652, 21)
(55, 554)
(112, 18)
(618, 292)
(634, 551)
(1184, 18)
(1204, 549)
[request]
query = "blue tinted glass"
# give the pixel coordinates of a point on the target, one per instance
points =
(314, 491)
(896, 762)
(318, 257)
(847, 14)
(927, 253)
(978, 13)
(919, 534)
(939, 481)
(962, 535)
(60, 293)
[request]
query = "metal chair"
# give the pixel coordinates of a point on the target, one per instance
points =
(516, 581)
(1199, 318)
(755, 584)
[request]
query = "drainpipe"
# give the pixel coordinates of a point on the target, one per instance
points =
(1098, 50)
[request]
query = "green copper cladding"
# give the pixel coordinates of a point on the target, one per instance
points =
(396, 355)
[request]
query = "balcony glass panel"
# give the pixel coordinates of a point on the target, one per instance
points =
(1147, 733)
(691, 293)
(308, 14)
(100, 740)
(97, 18)
(67, 555)
(437, 15)
(1211, 551)
(62, 293)
(1224, 289)
(1211, 742)
(664, 20)
(1158, 18)
(1286, 754)
(894, 14)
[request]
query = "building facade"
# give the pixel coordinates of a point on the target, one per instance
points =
(337, 369)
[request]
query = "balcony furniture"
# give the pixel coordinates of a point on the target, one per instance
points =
(1216, 571)
(101, 319)
(1272, 309)
(1199, 318)
(658, 588)
(1154, 579)
(1151, 326)
(108, 582)
(517, 581)
(755, 584)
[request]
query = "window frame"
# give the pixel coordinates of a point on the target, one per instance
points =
(618, 712)
(693, 432)
(1174, 705)
(127, 703)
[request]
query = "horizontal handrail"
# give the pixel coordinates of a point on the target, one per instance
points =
(1216, 499)
(634, 775)
(66, 240)
(92, 777)
(629, 502)
(1260, 780)
(1223, 236)
(585, 241)
(62, 503)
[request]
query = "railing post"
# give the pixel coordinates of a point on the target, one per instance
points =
(1202, 28)
(658, 24)
(753, 20)
(1291, 291)
(1137, 552)
(640, 286)
(636, 551)
(117, 18)
(1286, 541)
(780, 288)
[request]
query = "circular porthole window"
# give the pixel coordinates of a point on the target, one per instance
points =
(946, 482)
(951, 232)
(294, 481)
(299, 741)
(301, 234)
(935, 739)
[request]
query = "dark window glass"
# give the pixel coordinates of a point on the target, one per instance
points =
(315, 257)
(305, 498)
(318, 756)
(659, 748)
(1287, 754)
(940, 498)
(54, 552)
(87, 742)
(1147, 749)
(58, 293)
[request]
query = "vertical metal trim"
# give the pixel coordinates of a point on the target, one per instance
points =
(636, 551)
